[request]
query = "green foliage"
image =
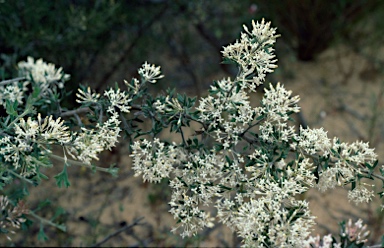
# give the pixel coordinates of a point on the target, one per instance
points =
(62, 178)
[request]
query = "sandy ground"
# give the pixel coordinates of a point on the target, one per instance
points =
(98, 205)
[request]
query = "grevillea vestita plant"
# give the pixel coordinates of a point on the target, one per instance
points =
(245, 164)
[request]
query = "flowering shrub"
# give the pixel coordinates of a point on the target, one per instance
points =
(247, 162)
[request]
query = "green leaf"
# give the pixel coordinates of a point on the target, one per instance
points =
(228, 61)
(59, 211)
(250, 163)
(62, 178)
(41, 235)
(229, 161)
(11, 107)
(113, 170)
(181, 99)
(224, 187)
(260, 117)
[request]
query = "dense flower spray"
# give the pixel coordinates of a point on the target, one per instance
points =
(249, 162)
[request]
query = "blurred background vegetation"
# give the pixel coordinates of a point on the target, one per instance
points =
(100, 42)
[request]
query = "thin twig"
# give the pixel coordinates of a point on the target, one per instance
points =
(75, 112)
(343, 107)
(142, 243)
(26, 111)
(20, 177)
(74, 162)
(374, 175)
(135, 222)
(9, 81)
(361, 169)
(45, 221)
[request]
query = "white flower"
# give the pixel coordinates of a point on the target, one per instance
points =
(278, 103)
(360, 194)
(267, 218)
(87, 96)
(154, 160)
(27, 130)
(317, 242)
(254, 53)
(108, 133)
(42, 73)
(135, 87)
(14, 92)
(39, 131)
(314, 141)
(54, 130)
(356, 232)
(90, 142)
(150, 73)
(335, 176)
(118, 99)
(11, 216)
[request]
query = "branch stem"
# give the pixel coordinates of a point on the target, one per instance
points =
(45, 221)
(9, 81)
(117, 232)
(74, 162)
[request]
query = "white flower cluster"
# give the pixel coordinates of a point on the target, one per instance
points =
(254, 53)
(42, 73)
(228, 113)
(118, 99)
(150, 73)
(271, 214)
(11, 216)
(245, 170)
(29, 144)
(361, 194)
(192, 190)
(347, 159)
(277, 105)
(355, 233)
(31, 134)
(18, 149)
(318, 242)
(87, 96)
(265, 219)
(88, 143)
(13, 92)
(154, 160)
(314, 141)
